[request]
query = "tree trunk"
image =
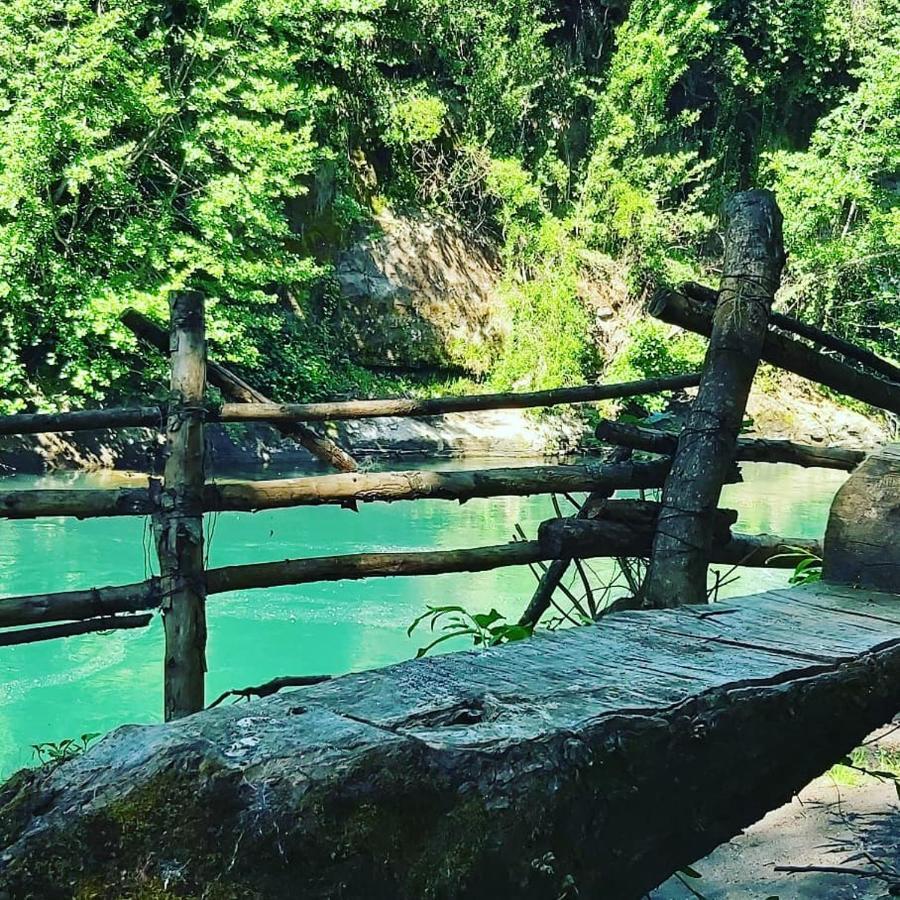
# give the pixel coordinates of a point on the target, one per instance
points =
(779, 350)
(754, 257)
(235, 388)
(178, 524)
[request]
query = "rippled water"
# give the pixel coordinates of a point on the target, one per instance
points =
(63, 688)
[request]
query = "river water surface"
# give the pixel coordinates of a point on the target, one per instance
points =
(92, 683)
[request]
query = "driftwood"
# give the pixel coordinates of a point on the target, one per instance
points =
(347, 489)
(71, 629)
(754, 258)
(780, 350)
(823, 338)
(651, 440)
(178, 520)
(595, 759)
(369, 409)
(235, 388)
(606, 539)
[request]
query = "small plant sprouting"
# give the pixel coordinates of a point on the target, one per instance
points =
(485, 629)
(60, 751)
(808, 569)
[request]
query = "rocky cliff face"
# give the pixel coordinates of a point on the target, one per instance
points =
(419, 293)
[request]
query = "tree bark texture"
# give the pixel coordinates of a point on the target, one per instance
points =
(825, 339)
(754, 258)
(346, 489)
(178, 522)
(438, 406)
(863, 533)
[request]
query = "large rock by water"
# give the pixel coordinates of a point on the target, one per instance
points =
(419, 293)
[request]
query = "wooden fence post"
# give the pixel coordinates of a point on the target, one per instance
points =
(754, 258)
(178, 523)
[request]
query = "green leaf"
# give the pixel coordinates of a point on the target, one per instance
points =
(485, 620)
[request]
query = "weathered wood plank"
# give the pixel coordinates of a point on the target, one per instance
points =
(599, 758)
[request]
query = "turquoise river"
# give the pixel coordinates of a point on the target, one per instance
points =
(63, 688)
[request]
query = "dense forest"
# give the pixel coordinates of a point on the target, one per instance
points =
(235, 148)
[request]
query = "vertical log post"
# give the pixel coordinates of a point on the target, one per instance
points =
(178, 524)
(754, 258)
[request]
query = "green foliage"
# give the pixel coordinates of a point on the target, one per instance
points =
(808, 569)
(238, 154)
(485, 629)
(655, 350)
(60, 751)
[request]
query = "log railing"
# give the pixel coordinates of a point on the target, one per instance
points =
(606, 528)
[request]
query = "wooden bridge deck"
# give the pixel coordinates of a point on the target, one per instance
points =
(596, 759)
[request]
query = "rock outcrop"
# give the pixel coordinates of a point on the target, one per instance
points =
(419, 293)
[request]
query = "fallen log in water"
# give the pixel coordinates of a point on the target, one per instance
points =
(651, 440)
(823, 338)
(780, 350)
(609, 538)
(598, 760)
(235, 388)
(347, 489)
(368, 409)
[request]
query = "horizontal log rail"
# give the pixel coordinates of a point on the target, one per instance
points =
(823, 338)
(346, 489)
(605, 539)
(780, 350)
(437, 406)
(283, 415)
(651, 440)
(83, 420)
(70, 629)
